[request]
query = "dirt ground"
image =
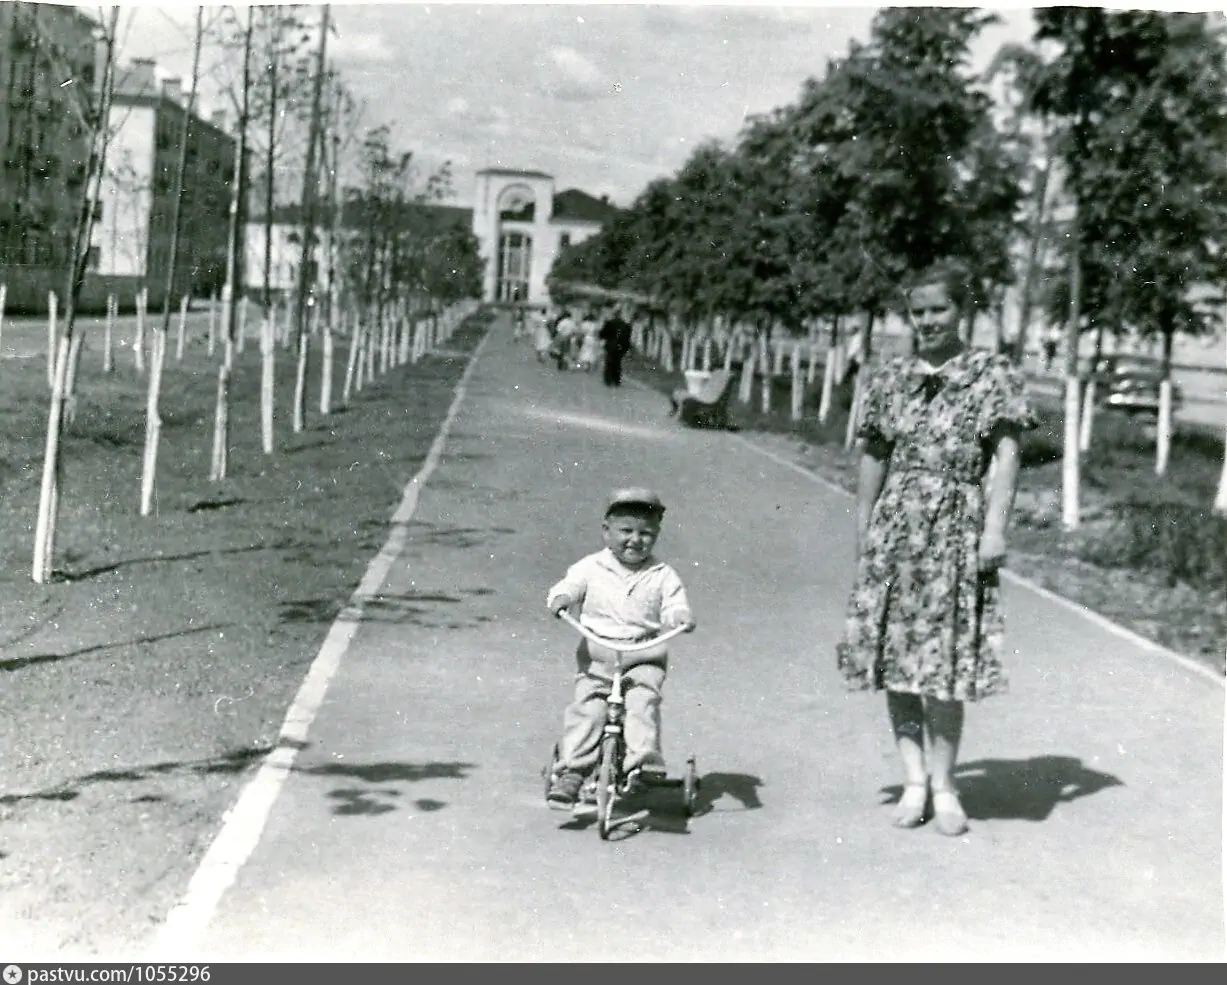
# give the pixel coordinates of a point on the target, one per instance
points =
(138, 689)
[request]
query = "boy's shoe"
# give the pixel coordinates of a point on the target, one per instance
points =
(564, 790)
(642, 778)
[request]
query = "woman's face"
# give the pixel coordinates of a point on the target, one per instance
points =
(934, 317)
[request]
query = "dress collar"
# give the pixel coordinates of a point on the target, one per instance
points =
(955, 371)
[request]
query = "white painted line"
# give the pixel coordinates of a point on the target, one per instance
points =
(180, 936)
(1102, 621)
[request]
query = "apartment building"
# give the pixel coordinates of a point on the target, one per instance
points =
(132, 232)
(49, 64)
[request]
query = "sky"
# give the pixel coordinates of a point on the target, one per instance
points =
(602, 97)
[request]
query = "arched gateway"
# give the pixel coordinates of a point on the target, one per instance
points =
(521, 226)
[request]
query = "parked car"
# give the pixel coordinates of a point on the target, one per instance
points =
(1131, 384)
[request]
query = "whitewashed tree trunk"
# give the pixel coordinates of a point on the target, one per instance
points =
(268, 345)
(828, 386)
(181, 340)
(767, 372)
(52, 308)
(404, 339)
(153, 423)
(798, 384)
(1086, 422)
(749, 359)
(1071, 461)
(707, 354)
(326, 360)
(108, 335)
(212, 343)
(219, 464)
(1220, 498)
(351, 361)
(299, 417)
(138, 339)
(370, 347)
(74, 366)
(49, 492)
(1163, 442)
(732, 342)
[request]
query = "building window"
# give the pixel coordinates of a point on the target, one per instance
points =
(97, 212)
(93, 258)
(564, 240)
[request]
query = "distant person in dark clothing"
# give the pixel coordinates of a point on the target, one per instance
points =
(615, 336)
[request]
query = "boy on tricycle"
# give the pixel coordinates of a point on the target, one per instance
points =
(626, 595)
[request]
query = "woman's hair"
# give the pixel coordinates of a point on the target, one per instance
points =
(952, 274)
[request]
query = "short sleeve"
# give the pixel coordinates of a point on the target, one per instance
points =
(1004, 405)
(876, 424)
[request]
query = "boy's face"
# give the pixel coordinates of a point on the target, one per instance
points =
(630, 537)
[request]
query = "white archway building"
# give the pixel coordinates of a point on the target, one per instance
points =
(521, 225)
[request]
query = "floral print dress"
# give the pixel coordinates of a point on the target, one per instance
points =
(921, 618)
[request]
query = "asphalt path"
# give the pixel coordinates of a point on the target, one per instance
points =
(407, 823)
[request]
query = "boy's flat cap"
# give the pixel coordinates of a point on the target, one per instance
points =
(635, 496)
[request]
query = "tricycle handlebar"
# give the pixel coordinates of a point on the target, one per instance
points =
(622, 646)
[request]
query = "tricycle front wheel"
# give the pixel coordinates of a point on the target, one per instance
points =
(606, 782)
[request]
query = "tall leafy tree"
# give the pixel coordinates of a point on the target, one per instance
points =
(1139, 100)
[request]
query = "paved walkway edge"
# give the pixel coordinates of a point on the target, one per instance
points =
(178, 938)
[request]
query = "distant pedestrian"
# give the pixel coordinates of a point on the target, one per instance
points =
(615, 336)
(589, 344)
(543, 338)
(565, 331)
(939, 466)
(1052, 339)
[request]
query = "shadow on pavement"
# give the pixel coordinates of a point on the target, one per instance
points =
(742, 787)
(234, 761)
(411, 608)
(1022, 789)
(374, 800)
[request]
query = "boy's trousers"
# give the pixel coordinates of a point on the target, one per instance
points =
(584, 720)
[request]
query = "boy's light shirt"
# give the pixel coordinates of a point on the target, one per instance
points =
(621, 604)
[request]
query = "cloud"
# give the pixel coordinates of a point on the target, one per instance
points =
(367, 46)
(463, 120)
(571, 77)
(742, 24)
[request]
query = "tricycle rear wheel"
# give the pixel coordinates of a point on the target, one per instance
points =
(690, 787)
(549, 771)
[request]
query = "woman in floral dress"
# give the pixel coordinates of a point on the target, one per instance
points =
(939, 466)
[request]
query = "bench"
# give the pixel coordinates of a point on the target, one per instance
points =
(705, 404)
